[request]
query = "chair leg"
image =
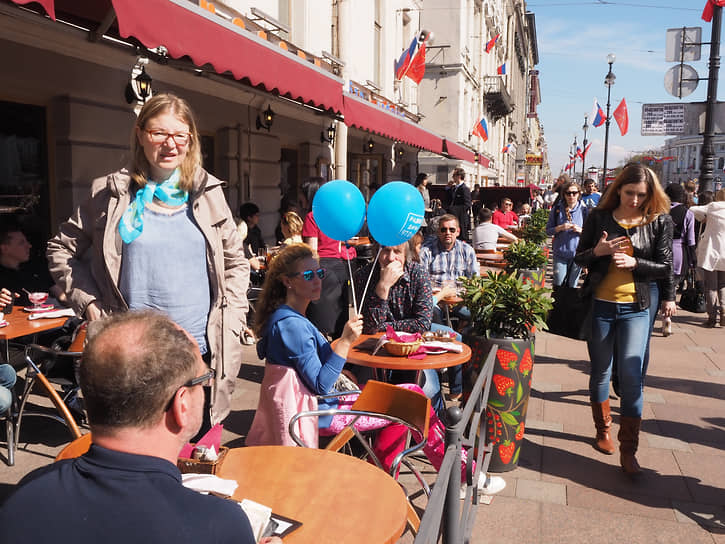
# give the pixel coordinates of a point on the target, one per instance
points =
(413, 519)
(9, 432)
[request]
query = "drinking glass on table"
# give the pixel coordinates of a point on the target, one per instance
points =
(37, 299)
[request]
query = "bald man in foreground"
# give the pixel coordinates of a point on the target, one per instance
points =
(142, 379)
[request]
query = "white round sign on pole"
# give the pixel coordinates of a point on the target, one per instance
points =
(681, 80)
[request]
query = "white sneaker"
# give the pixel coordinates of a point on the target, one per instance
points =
(487, 485)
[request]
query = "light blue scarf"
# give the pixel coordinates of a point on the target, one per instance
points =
(168, 192)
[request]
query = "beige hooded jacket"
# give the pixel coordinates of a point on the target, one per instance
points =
(85, 261)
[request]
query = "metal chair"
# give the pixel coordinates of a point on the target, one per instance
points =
(390, 403)
(38, 360)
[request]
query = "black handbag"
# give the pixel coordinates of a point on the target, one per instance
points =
(571, 313)
(693, 297)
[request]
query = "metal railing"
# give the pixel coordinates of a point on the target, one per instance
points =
(443, 516)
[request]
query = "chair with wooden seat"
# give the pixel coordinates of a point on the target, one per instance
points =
(76, 448)
(39, 359)
(390, 403)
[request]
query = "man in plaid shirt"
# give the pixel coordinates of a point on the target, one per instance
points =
(446, 258)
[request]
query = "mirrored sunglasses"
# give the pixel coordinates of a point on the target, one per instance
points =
(309, 275)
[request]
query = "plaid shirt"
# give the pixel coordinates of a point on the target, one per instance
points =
(445, 265)
(409, 307)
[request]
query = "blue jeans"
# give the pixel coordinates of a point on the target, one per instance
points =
(455, 373)
(620, 336)
(7, 381)
(559, 268)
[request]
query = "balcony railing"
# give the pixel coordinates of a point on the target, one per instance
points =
(496, 97)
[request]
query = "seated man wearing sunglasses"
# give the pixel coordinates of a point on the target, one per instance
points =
(142, 379)
(446, 259)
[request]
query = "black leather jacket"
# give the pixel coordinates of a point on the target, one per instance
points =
(652, 245)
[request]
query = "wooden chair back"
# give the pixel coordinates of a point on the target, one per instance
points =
(389, 399)
(76, 448)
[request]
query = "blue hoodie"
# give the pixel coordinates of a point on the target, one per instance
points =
(290, 339)
(565, 242)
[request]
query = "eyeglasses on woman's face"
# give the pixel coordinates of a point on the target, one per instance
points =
(309, 275)
(571, 193)
(158, 136)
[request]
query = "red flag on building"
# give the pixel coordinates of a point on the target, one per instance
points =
(622, 117)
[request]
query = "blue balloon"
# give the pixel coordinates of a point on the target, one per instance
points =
(395, 213)
(339, 209)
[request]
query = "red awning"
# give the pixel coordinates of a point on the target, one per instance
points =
(47, 5)
(186, 29)
(458, 151)
(367, 116)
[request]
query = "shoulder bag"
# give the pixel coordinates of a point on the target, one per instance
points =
(692, 298)
(571, 313)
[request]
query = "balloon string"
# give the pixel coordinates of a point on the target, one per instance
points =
(352, 281)
(372, 269)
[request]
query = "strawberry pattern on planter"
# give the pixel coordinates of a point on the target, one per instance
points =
(508, 397)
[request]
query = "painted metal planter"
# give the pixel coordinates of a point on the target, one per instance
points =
(509, 395)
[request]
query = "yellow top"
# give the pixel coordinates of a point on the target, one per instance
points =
(618, 284)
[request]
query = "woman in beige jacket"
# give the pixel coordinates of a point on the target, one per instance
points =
(160, 235)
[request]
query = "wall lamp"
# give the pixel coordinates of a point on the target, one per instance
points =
(265, 121)
(328, 136)
(369, 146)
(399, 152)
(476, 157)
(139, 87)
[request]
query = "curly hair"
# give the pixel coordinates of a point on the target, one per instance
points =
(274, 292)
(158, 105)
(656, 202)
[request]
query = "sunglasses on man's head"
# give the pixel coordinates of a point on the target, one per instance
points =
(309, 275)
(447, 229)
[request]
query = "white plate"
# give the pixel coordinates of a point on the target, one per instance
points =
(436, 352)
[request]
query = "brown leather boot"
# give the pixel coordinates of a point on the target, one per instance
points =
(603, 423)
(628, 442)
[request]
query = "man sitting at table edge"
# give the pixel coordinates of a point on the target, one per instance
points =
(486, 234)
(399, 296)
(144, 399)
(16, 272)
(446, 259)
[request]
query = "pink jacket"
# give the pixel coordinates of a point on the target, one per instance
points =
(281, 397)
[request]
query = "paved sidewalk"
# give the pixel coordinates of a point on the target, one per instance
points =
(563, 490)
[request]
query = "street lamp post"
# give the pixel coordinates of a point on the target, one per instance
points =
(584, 145)
(573, 166)
(608, 81)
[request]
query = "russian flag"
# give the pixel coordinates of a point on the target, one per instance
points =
(491, 43)
(586, 150)
(412, 61)
(579, 152)
(597, 116)
(506, 148)
(501, 69)
(481, 129)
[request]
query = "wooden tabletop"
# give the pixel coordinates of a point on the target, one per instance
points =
(359, 241)
(20, 325)
(361, 354)
(337, 498)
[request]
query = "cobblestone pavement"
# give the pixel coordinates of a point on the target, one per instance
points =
(564, 491)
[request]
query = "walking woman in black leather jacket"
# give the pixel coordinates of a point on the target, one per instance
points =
(626, 244)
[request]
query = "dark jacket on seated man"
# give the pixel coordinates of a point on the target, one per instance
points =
(145, 401)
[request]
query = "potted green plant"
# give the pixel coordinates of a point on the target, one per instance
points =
(505, 311)
(534, 230)
(528, 259)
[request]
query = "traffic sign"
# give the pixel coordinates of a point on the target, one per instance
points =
(681, 80)
(683, 44)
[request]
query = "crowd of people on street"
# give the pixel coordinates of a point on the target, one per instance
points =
(117, 262)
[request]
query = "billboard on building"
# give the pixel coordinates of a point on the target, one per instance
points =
(663, 119)
(534, 159)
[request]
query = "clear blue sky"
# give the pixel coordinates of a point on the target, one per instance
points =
(574, 38)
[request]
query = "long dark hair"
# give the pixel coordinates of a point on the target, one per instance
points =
(309, 190)
(274, 292)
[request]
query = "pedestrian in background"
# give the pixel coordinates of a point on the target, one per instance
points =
(711, 256)
(626, 244)
(330, 312)
(565, 223)
(683, 240)
(461, 203)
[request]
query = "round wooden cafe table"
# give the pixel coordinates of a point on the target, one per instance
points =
(361, 353)
(337, 498)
